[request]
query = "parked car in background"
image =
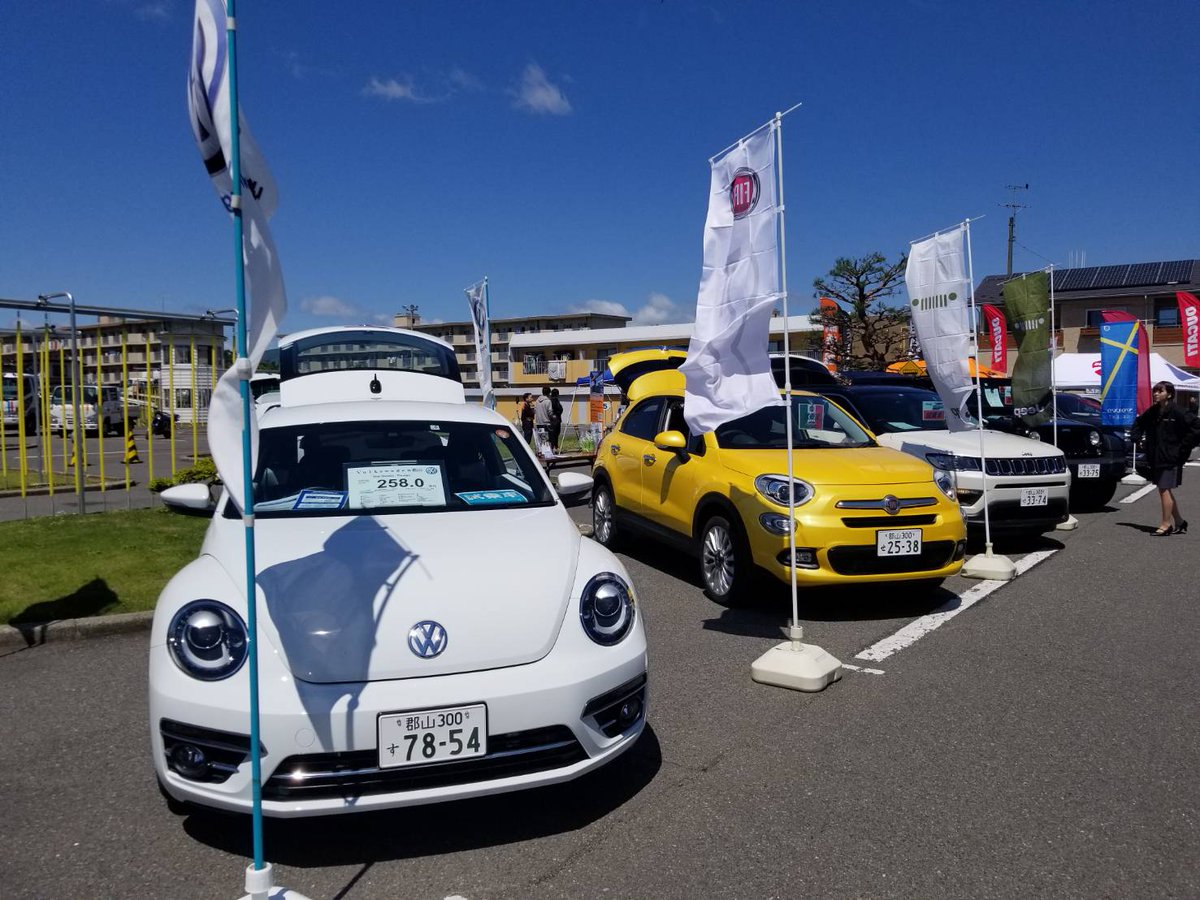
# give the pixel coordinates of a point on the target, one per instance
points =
(865, 514)
(101, 409)
(19, 400)
(1096, 455)
(407, 653)
(1028, 482)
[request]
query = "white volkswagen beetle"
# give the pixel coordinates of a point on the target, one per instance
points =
(431, 624)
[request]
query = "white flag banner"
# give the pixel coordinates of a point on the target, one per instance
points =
(939, 291)
(728, 370)
(477, 299)
(208, 107)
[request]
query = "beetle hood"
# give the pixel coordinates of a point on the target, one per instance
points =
(338, 597)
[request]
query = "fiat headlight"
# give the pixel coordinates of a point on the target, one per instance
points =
(606, 608)
(207, 640)
(1094, 438)
(775, 489)
(945, 481)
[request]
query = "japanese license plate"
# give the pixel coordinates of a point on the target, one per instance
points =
(432, 735)
(898, 542)
(1034, 496)
(1089, 470)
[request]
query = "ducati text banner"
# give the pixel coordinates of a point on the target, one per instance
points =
(208, 107)
(1027, 299)
(728, 371)
(938, 290)
(995, 326)
(1118, 373)
(477, 299)
(1189, 320)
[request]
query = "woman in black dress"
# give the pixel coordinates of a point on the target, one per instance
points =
(1170, 433)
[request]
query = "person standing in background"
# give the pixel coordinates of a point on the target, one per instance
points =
(1170, 433)
(541, 417)
(556, 413)
(525, 411)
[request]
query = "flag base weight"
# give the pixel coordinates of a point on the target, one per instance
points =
(1134, 478)
(259, 886)
(797, 667)
(990, 567)
(1070, 525)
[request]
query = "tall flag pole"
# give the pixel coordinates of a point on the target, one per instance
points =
(479, 302)
(246, 188)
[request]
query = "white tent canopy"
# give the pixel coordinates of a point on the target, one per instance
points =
(1081, 371)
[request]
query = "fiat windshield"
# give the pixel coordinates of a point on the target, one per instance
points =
(816, 422)
(350, 468)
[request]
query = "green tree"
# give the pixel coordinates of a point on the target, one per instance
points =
(874, 328)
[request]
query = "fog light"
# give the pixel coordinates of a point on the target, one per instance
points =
(774, 523)
(629, 712)
(960, 550)
(806, 558)
(966, 498)
(189, 761)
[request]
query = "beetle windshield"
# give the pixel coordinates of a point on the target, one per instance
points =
(348, 468)
(816, 422)
(901, 409)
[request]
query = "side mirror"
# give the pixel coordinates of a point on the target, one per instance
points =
(189, 498)
(573, 487)
(670, 440)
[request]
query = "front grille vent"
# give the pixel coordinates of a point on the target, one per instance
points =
(1026, 465)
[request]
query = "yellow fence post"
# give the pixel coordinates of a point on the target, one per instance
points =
(22, 456)
(171, 356)
(44, 413)
(149, 412)
(100, 420)
(3, 429)
(195, 423)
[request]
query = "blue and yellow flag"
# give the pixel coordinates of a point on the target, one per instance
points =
(1119, 352)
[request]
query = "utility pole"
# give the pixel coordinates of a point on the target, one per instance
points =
(410, 312)
(1013, 205)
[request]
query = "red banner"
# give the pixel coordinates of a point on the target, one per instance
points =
(996, 327)
(1189, 319)
(1144, 399)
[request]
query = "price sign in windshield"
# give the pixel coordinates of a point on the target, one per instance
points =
(396, 484)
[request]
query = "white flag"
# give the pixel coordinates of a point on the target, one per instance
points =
(208, 106)
(941, 315)
(477, 299)
(728, 370)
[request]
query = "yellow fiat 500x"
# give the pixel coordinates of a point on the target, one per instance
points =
(864, 513)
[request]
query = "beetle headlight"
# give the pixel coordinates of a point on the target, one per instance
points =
(945, 481)
(775, 489)
(1094, 438)
(606, 608)
(207, 640)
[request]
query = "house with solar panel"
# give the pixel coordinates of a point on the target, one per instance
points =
(1145, 290)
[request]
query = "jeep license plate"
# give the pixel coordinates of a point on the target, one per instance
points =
(432, 735)
(1089, 470)
(898, 542)
(1034, 496)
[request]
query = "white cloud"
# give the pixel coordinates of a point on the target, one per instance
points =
(328, 306)
(391, 89)
(661, 309)
(605, 307)
(462, 80)
(536, 94)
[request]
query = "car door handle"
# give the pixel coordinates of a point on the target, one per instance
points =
(614, 449)
(649, 458)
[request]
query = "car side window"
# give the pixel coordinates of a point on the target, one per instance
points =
(642, 421)
(676, 422)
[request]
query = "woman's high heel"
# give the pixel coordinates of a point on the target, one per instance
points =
(1182, 527)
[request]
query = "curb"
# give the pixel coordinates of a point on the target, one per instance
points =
(13, 637)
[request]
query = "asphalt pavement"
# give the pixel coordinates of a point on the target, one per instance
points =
(1041, 743)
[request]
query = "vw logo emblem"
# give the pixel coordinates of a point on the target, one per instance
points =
(891, 505)
(427, 639)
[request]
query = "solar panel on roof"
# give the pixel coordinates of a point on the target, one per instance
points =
(1109, 276)
(1073, 279)
(1142, 273)
(1176, 271)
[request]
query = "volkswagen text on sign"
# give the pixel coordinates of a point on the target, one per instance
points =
(743, 192)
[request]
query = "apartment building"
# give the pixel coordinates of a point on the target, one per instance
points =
(175, 363)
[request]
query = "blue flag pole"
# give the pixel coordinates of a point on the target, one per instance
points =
(243, 365)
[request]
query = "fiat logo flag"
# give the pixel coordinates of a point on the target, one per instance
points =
(743, 192)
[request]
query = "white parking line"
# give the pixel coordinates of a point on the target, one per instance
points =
(862, 669)
(917, 629)
(1139, 493)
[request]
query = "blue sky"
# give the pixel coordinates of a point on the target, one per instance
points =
(561, 148)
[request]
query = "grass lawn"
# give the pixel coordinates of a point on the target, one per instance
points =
(11, 480)
(68, 567)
